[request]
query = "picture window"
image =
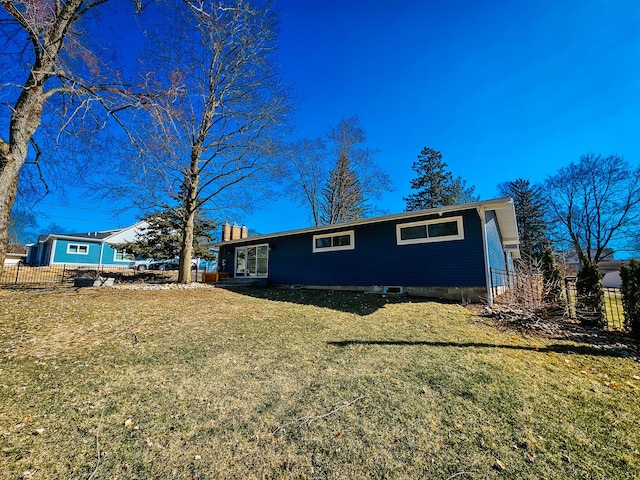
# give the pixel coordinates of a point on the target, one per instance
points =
(334, 241)
(430, 231)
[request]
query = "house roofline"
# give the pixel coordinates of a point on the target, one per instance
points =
(87, 237)
(498, 203)
(63, 236)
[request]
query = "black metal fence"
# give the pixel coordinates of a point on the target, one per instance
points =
(67, 274)
(614, 313)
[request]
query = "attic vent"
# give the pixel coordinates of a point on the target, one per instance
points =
(394, 290)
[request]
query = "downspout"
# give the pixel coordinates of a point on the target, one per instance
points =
(485, 253)
(52, 253)
(101, 252)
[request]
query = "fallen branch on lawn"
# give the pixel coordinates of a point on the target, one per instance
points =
(98, 442)
(307, 420)
(460, 473)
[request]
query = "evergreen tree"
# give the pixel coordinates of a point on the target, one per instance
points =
(343, 195)
(530, 207)
(630, 276)
(590, 295)
(162, 238)
(436, 187)
(343, 199)
(552, 281)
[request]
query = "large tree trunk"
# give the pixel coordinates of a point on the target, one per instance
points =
(25, 119)
(27, 112)
(184, 274)
(8, 189)
(190, 206)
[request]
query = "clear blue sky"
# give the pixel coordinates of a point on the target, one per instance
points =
(504, 89)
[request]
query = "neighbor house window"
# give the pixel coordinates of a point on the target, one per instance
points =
(329, 242)
(440, 230)
(77, 249)
(122, 256)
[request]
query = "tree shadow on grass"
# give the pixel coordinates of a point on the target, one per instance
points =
(358, 303)
(562, 348)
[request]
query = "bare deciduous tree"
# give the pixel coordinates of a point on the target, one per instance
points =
(44, 43)
(305, 170)
(596, 202)
(210, 133)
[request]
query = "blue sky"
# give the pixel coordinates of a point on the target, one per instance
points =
(503, 89)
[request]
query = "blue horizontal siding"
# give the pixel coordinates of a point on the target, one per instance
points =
(108, 257)
(497, 259)
(377, 259)
(60, 254)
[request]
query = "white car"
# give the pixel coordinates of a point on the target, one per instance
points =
(141, 263)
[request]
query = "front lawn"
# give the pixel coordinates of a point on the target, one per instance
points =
(101, 383)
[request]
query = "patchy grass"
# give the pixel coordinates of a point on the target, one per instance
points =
(208, 383)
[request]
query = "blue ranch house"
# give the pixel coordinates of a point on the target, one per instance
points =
(452, 252)
(83, 249)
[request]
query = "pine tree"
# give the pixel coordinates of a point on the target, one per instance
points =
(552, 282)
(343, 198)
(630, 276)
(590, 296)
(530, 207)
(343, 195)
(436, 187)
(162, 238)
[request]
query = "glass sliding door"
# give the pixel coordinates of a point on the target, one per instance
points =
(241, 261)
(262, 260)
(252, 261)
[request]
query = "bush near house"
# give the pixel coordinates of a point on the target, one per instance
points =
(630, 276)
(590, 308)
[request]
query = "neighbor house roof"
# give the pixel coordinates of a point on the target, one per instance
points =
(97, 236)
(503, 207)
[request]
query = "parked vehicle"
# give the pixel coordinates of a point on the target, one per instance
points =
(141, 263)
(164, 265)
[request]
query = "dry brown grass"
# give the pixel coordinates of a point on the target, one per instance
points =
(208, 383)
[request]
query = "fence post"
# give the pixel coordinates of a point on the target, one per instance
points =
(17, 274)
(63, 271)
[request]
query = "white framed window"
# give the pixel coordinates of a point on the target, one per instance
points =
(440, 230)
(331, 242)
(77, 249)
(122, 256)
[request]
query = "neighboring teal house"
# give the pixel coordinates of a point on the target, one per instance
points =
(85, 249)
